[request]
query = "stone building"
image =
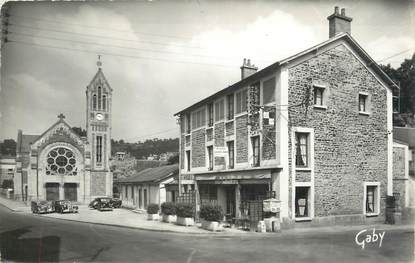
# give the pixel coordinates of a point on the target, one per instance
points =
(314, 130)
(59, 164)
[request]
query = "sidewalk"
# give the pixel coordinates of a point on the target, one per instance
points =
(127, 218)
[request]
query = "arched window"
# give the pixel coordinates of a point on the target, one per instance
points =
(99, 98)
(94, 102)
(104, 102)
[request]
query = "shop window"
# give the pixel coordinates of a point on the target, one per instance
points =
(371, 197)
(230, 100)
(210, 157)
(255, 151)
(301, 149)
(231, 154)
(302, 202)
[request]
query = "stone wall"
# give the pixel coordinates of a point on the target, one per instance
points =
(399, 179)
(241, 139)
(198, 148)
(349, 148)
(98, 183)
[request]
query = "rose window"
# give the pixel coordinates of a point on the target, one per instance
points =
(61, 161)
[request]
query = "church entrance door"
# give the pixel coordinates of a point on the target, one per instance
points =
(52, 191)
(70, 190)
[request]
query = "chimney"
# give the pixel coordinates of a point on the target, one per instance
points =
(339, 22)
(247, 69)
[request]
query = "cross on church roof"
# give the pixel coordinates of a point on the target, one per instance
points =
(99, 63)
(61, 116)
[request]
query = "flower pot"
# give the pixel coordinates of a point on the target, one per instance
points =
(185, 221)
(169, 218)
(212, 225)
(153, 217)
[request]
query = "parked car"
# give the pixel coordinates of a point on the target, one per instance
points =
(115, 202)
(42, 207)
(104, 204)
(65, 206)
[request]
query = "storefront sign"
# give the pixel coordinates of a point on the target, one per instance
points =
(226, 182)
(271, 205)
(220, 151)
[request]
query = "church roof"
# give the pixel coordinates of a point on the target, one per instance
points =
(98, 75)
(61, 120)
(152, 175)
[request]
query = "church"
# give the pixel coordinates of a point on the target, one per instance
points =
(60, 164)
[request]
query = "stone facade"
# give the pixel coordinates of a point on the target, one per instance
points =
(198, 148)
(241, 139)
(349, 148)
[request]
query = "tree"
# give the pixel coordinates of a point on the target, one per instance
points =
(8, 147)
(78, 130)
(173, 159)
(404, 76)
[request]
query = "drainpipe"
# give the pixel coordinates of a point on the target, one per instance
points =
(37, 176)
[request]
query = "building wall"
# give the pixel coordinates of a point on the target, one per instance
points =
(349, 148)
(7, 169)
(400, 180)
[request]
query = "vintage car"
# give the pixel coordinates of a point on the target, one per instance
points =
(42, 207)
(115, 202)
(65, 206)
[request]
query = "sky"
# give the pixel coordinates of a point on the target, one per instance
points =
(162, 56)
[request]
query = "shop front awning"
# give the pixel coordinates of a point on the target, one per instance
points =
(235, 177)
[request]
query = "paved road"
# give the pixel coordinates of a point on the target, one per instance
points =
(34, 238)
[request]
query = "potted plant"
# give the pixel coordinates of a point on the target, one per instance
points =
(211, 216)
(168, 209)
(153, 212)
(185, 214)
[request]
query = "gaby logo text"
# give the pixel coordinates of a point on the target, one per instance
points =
(365, 237)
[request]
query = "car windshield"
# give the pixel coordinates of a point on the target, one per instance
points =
(105, 200)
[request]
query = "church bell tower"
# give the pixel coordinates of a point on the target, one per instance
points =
(98, 125)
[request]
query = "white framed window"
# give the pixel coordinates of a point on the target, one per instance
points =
(268, 91)
(302, 149)
(198, 118)
(210, 157)
(241, 101)
(303, 203)
(364, 103)
(371, 198)
(219, 110)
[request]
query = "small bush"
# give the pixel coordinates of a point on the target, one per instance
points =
(211, 213)
(184, 210)
(152, 209)
(168, 208)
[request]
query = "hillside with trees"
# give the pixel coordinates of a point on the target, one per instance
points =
(141, 150)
